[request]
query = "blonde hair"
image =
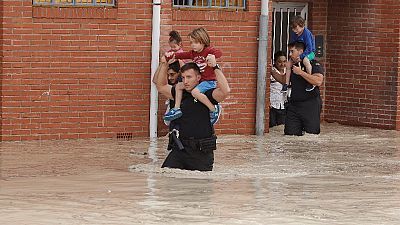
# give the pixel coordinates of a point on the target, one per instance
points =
(200, 35)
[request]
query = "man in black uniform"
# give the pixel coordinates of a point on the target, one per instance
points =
(194, 128)
(304, 108)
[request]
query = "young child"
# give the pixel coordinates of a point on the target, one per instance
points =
(301, 33)
(175, 44)
(200, 43)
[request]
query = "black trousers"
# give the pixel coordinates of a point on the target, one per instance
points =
(190, 158)
(303, 117)
(276, 116)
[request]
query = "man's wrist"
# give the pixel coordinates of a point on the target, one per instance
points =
(216, 67)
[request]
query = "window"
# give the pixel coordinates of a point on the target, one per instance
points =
(228, 4)
(282, 14)
(75, 2)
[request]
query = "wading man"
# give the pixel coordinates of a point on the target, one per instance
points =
(195, 141)
(304, 108)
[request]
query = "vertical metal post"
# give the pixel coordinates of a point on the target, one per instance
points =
(288, 32)
(280, 43)
(274, 33)
(155, 49)
(262, 68)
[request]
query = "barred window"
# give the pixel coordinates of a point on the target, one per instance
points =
(75, 2)
(229, 4)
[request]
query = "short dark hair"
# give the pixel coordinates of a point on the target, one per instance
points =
(299, 45)
(190, 65)
(278, 54)
(175, 37)
(175, 66)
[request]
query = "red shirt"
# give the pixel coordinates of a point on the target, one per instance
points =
(207, 73)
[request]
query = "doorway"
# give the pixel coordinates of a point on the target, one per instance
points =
(283, 12)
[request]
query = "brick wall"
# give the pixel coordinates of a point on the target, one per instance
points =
(85, 72)
(75, 72)
(1, 60)
(362, 83)
(235, 33)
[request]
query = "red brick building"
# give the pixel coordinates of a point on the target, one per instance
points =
(84, 71)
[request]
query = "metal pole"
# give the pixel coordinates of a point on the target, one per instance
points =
(155, 49)
(262, 67)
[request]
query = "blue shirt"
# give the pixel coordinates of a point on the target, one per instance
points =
(307, 38)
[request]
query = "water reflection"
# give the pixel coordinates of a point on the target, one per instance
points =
(153, 147)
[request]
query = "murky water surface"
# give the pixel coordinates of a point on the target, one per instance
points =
(346, 175)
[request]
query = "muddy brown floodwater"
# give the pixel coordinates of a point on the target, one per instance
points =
(346, 175)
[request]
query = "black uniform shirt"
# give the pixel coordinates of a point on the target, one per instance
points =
(299, 84)
(195, 120)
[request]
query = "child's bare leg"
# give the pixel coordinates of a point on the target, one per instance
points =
(288, 71)
(308, 66)
(203, 99)
(287, 76)
(178, 94)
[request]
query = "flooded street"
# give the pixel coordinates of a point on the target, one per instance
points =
(346, 175)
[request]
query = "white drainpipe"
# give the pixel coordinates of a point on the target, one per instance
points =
(155, 49)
